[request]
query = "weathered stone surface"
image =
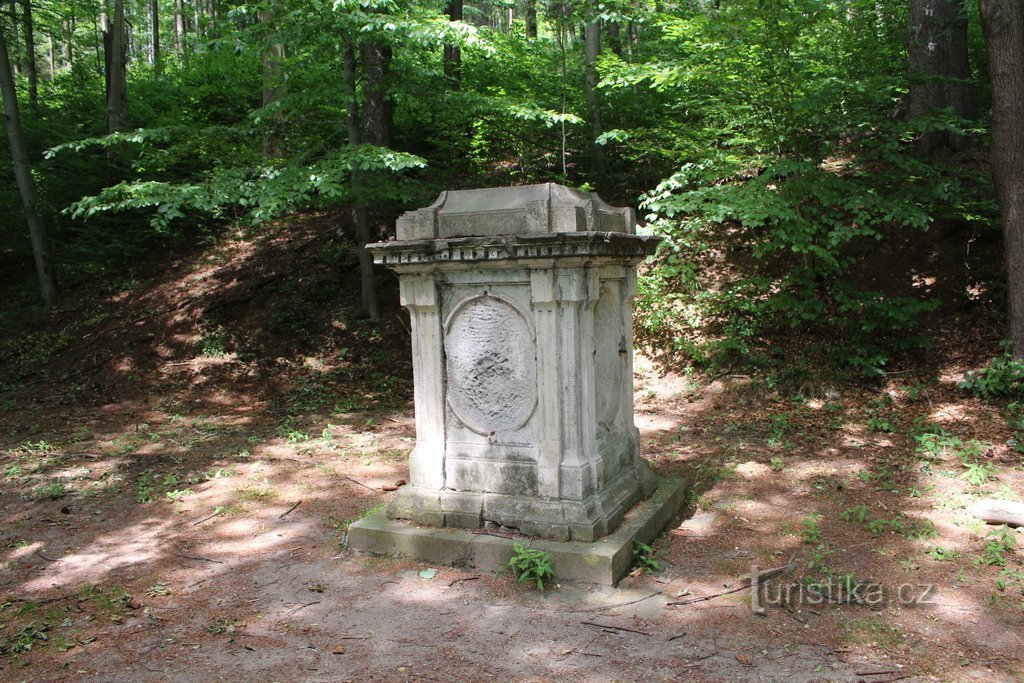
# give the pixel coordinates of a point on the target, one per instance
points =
(604, 561)
(520, 300)
(529, 209)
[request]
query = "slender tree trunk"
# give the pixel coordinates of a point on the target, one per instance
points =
(273, 84)
(378, 111)
(531, 19)
(938, 66)
(614, 32)
(1002, 22)
(104, 26)
(179, 27)
(154, 17)
(360, 213)
(30, 53)
(115, 60)
(23, 177)
(15, 57)
(452, 53)
(593, 49)
(69, 42)
(352, 97)
(51, 56)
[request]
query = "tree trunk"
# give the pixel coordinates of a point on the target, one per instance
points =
(531, 19)
(614, 32)
(115, 60)
(938, 67)
(452, 53)
(360, 213)
(593, 49)
(378, 114)
(273, 84)
(30, 53)
(154, 17)
(15, 58)
(378, 111)
(69, 42)
(51, 55)
(1002, 22)
(179, 27)
(23, 177)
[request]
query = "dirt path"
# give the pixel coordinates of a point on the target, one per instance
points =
(178, 468)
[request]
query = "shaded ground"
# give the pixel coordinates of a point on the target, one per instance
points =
(180, 463)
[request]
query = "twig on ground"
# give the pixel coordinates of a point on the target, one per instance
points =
(198, 558)
(465, 578)
(892, 679)
(675, 637)
(614, 628)
(308, 604)
(368, 488)
(206, 518)
(289, 510)
(745, 580)
(708, 597)
(616, 605)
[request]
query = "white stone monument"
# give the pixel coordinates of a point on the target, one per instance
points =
(520, 300)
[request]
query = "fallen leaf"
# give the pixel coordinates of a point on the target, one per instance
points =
(428, 573)
(743, 659)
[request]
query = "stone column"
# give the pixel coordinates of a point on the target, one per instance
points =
(520, 306)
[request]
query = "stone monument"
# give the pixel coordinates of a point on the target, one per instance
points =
(520, 302)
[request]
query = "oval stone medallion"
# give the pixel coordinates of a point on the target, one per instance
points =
(492, 368)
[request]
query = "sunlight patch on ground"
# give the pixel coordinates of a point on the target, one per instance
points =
(134, 545)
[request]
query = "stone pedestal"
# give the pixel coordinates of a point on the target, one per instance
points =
(520, 300)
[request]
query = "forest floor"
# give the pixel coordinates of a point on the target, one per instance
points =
(180, 459)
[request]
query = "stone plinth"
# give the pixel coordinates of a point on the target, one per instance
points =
(520, 301)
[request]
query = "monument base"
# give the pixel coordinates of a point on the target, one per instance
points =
(559, 520)
(603, 561)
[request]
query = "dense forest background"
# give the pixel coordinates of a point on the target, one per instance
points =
(818, 167)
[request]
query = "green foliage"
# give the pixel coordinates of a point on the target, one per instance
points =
(878, 424)
(1003, 376)
(531, 565)
(944, 555)
(858, 513)
(788, 174)
(643, 557)
(25, 640)
(1001, 541)
(810, 530)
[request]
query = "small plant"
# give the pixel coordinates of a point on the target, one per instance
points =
(879, 424)
(531, 564)
(1002, 540)
(858, 513)
(943, 555)
(145, 487)
(780, 427)
(776, 464)
(1003, 376)
(50, 492)
(978, 472)
(643, 557)
(810, 531)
